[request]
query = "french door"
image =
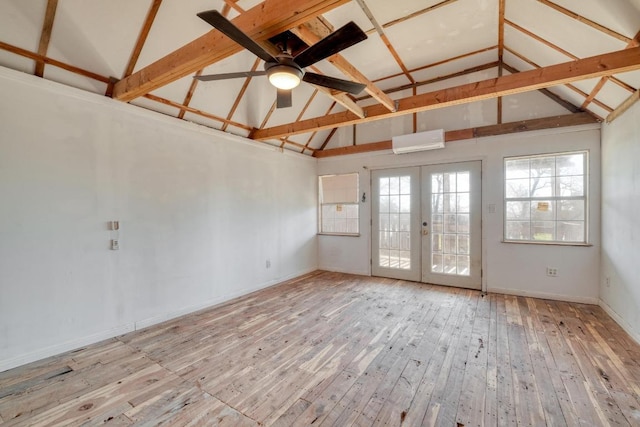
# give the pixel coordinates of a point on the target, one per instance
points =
(426, 224)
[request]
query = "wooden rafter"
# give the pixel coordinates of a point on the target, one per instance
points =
(260, 23)
(142, 37)
(304, 110)
(313, 134)
(605, 79)
(414, 14)
(195, 111)
(586, 21)
(465, 72)
(312, 32)
(546, 92)
(435, 64)
(478, 132)
(327, 139)
(628, 103)
(597, 66)
(45, 34)
(385, 39)
(564, 52)
(568, 85)
(189, 95)
(54, 62)
(234, 107)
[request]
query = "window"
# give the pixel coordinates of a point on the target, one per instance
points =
(546, 198)
(339, 209)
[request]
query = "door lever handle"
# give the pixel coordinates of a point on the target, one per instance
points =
(425, 231)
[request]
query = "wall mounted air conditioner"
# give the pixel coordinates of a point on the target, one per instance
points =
(429, 140)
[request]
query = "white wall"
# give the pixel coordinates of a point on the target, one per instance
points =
(508, 267)
(200, 214)
(620, 278)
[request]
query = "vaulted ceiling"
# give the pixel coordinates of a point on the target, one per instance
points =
(472, 67)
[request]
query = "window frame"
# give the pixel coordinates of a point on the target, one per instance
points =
(585, 197)
(321, 204)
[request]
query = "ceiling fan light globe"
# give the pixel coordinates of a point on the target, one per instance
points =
(284, 77)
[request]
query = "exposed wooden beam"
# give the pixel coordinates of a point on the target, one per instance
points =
(471, 70)
(603, 80)
(546, 92)
(234, 107)
(597, 66)
(435, 64)
(142, 37)
(501, 9)
(55, 63)
(231, 4)
(189, 95)
(326, 141)
(312, 33)
(568, 85)
(586, 21)
(417, 13)
(45, 34)
(478, 132)
(628, 103)
(343, 99)
(195, 111)
(260, 22)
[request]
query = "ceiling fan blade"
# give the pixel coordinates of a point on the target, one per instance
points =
(226, 76)
(226, 27)
(284, 98)
(340, 39)
(333, 83)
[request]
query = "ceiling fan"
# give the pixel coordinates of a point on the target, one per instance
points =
(286, 71)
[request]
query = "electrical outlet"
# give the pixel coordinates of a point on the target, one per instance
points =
(552, 272)
(115, 245)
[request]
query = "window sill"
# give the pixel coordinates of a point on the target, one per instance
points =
(529, 242)
(340, 234)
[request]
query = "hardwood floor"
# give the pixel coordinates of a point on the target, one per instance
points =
(334, 349)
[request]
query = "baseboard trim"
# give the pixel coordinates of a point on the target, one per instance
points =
(545, 295)
(342, 270)
(74, 344)
(54, 350)
(620, 321)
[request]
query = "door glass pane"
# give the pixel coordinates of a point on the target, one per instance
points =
(394, 246)
(450, 219)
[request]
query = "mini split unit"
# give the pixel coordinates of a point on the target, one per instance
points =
(429, 140)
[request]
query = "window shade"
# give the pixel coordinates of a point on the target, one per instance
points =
(339, 188)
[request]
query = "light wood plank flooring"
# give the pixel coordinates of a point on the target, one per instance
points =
(334, 349)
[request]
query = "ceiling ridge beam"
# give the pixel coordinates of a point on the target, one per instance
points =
(142, 37)
(586, 21)
(476, 132)
(260, 22)
(45, 34)
(597, 66)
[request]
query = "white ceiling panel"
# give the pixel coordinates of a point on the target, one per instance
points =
(458, 117)
(346, 13)
(97, 36)
(529, 105)
(393, 82)
(457, 65)
(16, 62)
(621, 16)
(156, 106)
(532, 49)
(560, 29)
(387, 11)
(372, 58)
(631, 78)
(201, 120)
(612, 94)
(462, 27)
(21, 22)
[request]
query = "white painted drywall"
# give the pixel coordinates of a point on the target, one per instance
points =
(508, 267)
(200, 214)
(620, 295)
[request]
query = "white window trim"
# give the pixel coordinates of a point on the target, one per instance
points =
(586, 198)
(355, 203)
